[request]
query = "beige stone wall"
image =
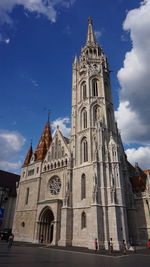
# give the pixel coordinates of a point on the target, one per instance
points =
(24, 232)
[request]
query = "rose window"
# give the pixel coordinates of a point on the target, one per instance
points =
(54, 185)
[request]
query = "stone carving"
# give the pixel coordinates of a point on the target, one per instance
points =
(55, 185)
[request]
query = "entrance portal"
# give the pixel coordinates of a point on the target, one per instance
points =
(46, 226)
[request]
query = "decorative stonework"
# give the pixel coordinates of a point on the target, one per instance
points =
(55, 185)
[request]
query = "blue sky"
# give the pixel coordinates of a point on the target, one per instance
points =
(38, 42)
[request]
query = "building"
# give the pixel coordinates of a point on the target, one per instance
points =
(8, 194)
(75, 190)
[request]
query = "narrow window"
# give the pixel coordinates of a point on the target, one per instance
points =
(94, 87)
(83, 220)
(84, 91)
(27, 196)
(52, 152)
(84, 150)
(84, 115)
(83, 186)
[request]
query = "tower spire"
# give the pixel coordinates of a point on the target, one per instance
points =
(90, 33)
(44, 142)
(28, 156)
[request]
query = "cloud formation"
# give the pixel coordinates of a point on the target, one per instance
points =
(48, 8)
(4, 40)
(98, 34)
(63, 124)
(140, 155)
(11, 143)
(134, 77)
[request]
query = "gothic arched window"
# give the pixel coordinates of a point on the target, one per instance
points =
(83, 186)
(84, 119)
(94, 87)
(83, 220)
(84, 150)
(52, 152)
(96, 114)
(83, 91)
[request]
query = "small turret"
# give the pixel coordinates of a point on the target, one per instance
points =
(28, 156)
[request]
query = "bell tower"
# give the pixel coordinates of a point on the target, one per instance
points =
(98, 198)
(91, 96)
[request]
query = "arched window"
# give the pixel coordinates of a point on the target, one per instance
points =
(84, 119)
(83, 220)
(94, 87)
(49, 156)
(83, 186)
(52, 152)
(96, 114)
(62, 151)
(83, 91)
(84, 150)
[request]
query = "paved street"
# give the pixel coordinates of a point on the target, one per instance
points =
(43, 257)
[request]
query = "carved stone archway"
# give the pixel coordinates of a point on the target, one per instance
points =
(46, 226)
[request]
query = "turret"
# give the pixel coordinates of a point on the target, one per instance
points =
(28, 156)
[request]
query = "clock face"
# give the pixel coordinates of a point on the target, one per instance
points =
(54, 185)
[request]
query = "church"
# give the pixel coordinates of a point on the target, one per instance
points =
(74, 190)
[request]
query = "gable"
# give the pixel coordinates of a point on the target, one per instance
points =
(58, 148)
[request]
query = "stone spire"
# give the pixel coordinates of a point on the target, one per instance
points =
(44, 143)
(75, 60)
(28, 156)
(90, 34)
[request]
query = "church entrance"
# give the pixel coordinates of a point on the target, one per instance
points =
(46, 226)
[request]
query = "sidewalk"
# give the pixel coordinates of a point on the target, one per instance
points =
(139, 250)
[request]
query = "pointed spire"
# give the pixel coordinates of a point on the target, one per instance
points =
(28, 156)
(44, 142)
(90, 33)
(75, 60)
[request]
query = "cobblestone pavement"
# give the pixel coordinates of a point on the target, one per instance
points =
(27, 255)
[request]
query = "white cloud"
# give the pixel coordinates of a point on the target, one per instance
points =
(64, 125)
(11, 143)
(10, 166)
(132, 129)
(4, 40)
(134, 77)
(140, 155)
(34, 82)
(48, 8)
(98, 34)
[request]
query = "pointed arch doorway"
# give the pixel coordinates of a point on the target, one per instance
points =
(46, 225)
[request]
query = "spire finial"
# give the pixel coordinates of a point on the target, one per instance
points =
(90, 20)
(90, 33)
(49, 112)
(31, 142)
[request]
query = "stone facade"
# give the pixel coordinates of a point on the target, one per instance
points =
(75, 190)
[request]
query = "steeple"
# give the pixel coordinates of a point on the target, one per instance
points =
(28, 156)
(90, 34)
(44, 142)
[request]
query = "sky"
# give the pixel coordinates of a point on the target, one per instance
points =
(38, 42)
